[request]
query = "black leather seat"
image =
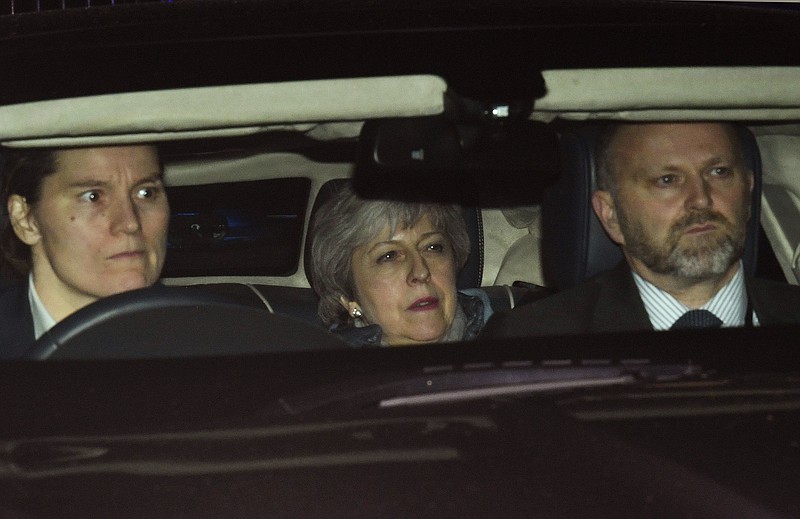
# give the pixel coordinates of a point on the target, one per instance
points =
(575, 246)
(296, 302)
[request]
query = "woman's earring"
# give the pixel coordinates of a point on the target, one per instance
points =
(357, 313)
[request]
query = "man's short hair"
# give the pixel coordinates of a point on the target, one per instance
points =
(605, 173)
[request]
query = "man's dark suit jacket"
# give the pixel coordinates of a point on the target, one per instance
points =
(16, 320)
(610, 302)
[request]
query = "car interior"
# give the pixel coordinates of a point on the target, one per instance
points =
(247, 165)
(218, 392)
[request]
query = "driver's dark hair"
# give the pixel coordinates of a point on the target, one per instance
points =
(22, 172)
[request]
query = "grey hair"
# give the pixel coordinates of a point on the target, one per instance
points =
(346, 222)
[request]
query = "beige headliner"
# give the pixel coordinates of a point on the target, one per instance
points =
(673, 93)
(742, 93)
(216, 111)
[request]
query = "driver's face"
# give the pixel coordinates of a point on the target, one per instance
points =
(100, 226)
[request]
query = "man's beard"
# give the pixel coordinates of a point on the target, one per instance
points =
(711, 257)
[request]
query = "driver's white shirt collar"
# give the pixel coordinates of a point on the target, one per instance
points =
(42, 320)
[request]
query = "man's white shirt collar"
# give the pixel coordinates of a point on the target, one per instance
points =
(42, 320)
(729, 304)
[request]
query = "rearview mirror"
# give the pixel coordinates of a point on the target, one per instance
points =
(433, 159)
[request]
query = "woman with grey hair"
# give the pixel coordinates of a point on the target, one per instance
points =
(385, 272)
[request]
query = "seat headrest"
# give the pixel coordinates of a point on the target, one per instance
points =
(575, 246)
(469, 277)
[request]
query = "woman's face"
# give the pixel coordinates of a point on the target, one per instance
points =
(406, 283)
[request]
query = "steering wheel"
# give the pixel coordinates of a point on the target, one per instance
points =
(160, 322)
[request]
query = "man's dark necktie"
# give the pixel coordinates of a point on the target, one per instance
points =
(697, 319)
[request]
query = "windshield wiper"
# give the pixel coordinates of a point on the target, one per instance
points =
(450, 383)
(504, 390)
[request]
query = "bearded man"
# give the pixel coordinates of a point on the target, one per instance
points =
(676, 197)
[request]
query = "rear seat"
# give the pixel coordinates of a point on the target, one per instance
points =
(781, 199)
(301, 303)
(295, 302)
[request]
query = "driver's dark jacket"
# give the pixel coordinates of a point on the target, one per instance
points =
(16, 320)
(472, 306)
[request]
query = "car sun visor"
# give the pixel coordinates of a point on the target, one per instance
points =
(219, 111)
(435, 159)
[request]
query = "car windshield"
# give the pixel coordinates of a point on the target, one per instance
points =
(345, 258)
